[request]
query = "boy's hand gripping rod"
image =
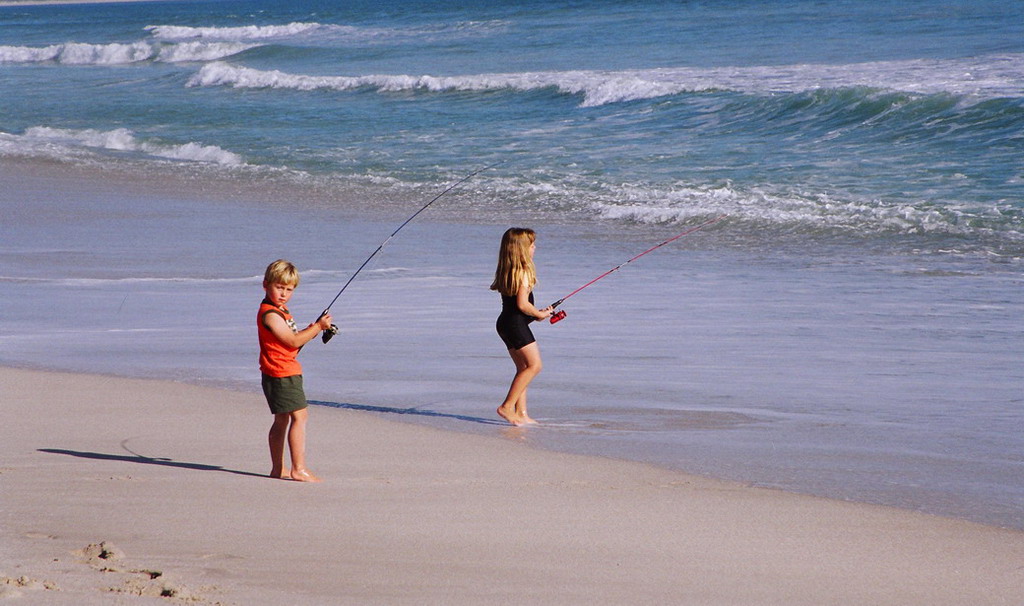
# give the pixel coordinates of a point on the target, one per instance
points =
(333, 330)
(560, 315)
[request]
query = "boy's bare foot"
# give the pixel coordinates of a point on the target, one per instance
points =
(280, 475)
(304, 475)
(509, 416)
(527, 419)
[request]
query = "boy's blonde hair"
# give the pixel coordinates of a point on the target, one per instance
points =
(281, 272)
(515, 265)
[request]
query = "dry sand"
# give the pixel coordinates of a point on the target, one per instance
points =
(120, 491)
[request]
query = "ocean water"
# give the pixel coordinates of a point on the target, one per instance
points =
(853, 327)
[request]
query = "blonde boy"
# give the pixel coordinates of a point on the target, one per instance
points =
(280, 342)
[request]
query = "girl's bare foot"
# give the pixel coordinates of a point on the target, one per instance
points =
(509, 416)
(304, 475)
(279, 475)
(527, 419)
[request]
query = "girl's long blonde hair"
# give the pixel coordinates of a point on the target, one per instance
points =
(515, 265)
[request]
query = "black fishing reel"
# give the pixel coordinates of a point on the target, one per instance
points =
(329, 333)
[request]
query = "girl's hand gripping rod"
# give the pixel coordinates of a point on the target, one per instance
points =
(558, 316)
(333, 330)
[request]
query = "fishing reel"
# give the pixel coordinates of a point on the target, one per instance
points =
(559, 315)
(330, 332)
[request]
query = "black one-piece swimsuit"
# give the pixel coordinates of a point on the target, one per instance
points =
(513, 325)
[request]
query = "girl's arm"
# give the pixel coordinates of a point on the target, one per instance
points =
(523, 302)
(283, 333)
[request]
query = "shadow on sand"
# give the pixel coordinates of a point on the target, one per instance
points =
(408, 411)
(147, 461)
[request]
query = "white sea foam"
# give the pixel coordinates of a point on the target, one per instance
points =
(777, 208)
(642, 204)
(224, 74)
(77, 53)
(200, 51)
(986, 77)
(247, 32)
(42, 141)
(794, 211)
(323, 31)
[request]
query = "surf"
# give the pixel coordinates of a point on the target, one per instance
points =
(978, 78)
(84, 54)
(63, 143)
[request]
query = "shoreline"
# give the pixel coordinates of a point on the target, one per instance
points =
(707, 445)
(169, 478)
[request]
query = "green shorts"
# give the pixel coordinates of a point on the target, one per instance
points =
(284, 394)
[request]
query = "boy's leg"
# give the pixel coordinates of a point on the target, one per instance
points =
(276, 438)
(297, 446)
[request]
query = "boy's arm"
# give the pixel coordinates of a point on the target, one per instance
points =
(283, 333)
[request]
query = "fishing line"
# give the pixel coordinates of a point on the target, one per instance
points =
(333, 330)
(560, 315)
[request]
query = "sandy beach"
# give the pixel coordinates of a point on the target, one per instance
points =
(127, 491)
(816, 400)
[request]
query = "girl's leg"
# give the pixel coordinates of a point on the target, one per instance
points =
(297, 446)
(528, 364)
(276, 438)
(524, 362)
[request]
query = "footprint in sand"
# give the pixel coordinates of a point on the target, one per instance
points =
(12, 588)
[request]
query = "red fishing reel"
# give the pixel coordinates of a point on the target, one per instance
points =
(558, 316)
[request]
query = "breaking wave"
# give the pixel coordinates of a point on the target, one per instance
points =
(986, 77)
(324, 32)
(76, 53)
(59, 143)
(247, 32)
(810, 212)
(777, 210)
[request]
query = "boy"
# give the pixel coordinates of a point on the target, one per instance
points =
(280, 342)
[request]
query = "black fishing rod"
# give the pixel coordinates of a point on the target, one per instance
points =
(560, 315)
(333, 330)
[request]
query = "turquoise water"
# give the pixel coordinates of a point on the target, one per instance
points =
(898, 122)
(852, 327)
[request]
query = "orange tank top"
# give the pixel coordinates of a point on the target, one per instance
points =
(276, 358)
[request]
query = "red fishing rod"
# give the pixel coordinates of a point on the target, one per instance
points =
(560, 315)
(333, 330)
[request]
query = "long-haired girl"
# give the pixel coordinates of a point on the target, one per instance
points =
(515, 278)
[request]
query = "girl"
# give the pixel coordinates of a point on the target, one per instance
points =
(515, 278)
